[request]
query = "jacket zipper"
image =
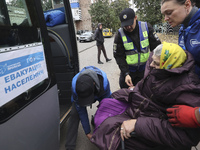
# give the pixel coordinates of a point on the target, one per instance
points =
(113, 137)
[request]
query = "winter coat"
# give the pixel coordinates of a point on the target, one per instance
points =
(189, 39)
(99, 36)
(158, 90)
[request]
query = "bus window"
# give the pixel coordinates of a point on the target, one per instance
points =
(23, 68)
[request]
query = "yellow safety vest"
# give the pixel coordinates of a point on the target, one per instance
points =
(133, 57)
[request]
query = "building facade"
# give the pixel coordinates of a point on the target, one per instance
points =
(82, 18)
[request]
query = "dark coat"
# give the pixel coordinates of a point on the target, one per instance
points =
(99, 36)
(158, 90)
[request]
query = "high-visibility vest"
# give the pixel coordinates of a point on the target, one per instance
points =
(133, 57)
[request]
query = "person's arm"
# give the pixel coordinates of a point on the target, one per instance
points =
(154, 40)
(97, 36)
(184, 116)
(119, 54)
(83, 114)
(160, 132)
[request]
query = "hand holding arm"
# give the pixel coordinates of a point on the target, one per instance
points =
(183, 116)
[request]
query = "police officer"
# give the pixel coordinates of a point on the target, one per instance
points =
(131, 47)
(89, 85)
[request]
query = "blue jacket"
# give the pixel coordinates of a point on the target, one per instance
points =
(189, 39)
(82, 111)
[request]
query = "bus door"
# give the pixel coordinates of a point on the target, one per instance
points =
(63, 43)
(29, 104)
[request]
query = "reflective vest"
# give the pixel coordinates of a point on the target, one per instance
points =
(133, 57)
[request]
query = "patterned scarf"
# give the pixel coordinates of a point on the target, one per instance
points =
(172, 56)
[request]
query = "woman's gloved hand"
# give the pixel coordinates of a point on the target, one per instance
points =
(183, 116)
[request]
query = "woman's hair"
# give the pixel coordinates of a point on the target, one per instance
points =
(157, 51)
(181, 2)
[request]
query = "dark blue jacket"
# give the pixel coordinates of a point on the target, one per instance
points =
(82, 111)
(189, 39)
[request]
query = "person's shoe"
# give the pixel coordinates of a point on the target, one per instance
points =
(100, 62)
(108, 59)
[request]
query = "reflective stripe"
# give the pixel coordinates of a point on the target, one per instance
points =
(144, 57)
(131, 52)
(145, 34)
(124, 39)
(128, 46)
(132, 58)
(145, 43)
(144, 31)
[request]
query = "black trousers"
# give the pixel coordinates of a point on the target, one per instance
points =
(101, 48)
(72, 129)
(135, 76)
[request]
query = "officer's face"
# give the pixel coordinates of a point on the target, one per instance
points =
(132, 27)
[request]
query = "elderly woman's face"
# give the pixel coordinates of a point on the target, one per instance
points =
(155, 64)
(174, 12)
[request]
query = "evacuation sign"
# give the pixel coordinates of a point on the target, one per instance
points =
(20, 70)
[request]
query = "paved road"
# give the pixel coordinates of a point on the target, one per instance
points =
(88, 56)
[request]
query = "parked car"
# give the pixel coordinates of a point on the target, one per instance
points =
(107, 32)
(79, 32)
(87, 36)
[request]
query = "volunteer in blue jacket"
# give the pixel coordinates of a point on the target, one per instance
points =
(184, 12)
(131, 47)
(88, 86)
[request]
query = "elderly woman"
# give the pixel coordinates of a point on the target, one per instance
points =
(169, 79)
